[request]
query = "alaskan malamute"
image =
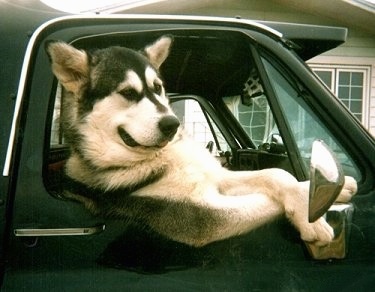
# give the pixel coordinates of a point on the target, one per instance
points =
(129, 156)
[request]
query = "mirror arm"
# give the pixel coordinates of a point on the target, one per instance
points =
(326, 181)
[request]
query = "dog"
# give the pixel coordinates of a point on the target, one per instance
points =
(129, 155)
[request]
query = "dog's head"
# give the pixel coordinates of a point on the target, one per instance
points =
(118, 98)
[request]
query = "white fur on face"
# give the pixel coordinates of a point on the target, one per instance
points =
(152, 79)
(140, 119)
(132, 80)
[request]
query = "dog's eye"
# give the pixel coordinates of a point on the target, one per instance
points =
(130, 93)
(157, 88)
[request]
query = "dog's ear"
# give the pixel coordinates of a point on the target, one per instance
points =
(158, 51)
(69, 65)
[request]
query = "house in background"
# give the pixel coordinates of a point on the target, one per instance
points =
(349, 70)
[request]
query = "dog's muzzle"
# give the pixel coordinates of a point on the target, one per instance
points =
(128, 140)
(168, 127)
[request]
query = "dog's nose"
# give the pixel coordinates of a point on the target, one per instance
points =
(168, 125)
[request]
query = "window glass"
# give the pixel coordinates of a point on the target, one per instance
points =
(350, 91)
(327, 76)
(253, 112)
(305, 126)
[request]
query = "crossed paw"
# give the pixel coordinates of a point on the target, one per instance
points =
(319, 232)
(348, 191)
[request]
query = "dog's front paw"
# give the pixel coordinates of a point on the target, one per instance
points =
(319, 232)
(348, 191)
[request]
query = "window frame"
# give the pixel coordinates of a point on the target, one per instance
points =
(331, 112)
(336, 69)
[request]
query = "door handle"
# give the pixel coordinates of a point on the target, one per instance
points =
(37, 232)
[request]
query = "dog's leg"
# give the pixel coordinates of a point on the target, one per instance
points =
(211, 218)
(216, 216)
(237, 203)
(243, 202)
(292, 196)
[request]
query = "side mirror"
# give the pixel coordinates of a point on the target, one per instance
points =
(276, 146)
(326, 180)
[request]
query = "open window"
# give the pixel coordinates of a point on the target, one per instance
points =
(192, 92)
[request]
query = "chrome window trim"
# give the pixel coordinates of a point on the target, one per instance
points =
(31, 232)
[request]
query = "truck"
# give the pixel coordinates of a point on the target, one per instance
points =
(243, 90)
